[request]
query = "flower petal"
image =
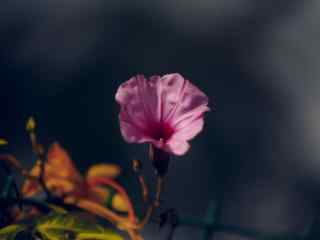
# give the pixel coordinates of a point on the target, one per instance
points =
(167, 109)
(164, 94)
(145, 104)
(133, 96)
(177, 146)
(135, 113)
(131, 133)
(172, 89)
(187, 130)
(193, 103)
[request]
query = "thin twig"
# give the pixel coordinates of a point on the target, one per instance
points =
(160, 182)
(12, 160)
(39, 152)
(155, 204)
(145, 191)
(137, 167)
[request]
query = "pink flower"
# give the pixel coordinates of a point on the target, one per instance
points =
(166, 111)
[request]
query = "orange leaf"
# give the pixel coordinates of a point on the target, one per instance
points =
(61, 164)
(98, 181)
(104, 170)
(30, 188)
(119, 203)
(60, 186)
(60, 174)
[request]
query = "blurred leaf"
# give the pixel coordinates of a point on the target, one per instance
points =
(31, 124)
(31, 187)
(119, 204)
(67, 226)
(10, 232)
(63, 178)
(57, 209)
(3, 142)
(60, 174)
(104, 170)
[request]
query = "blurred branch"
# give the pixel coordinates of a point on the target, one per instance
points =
(38, 150)
(154, 205)
(137, 167)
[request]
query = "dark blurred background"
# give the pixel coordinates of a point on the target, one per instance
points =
(258, 61)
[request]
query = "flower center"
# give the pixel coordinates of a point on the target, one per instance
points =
(163, 131)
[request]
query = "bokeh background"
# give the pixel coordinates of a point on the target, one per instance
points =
(258, 61)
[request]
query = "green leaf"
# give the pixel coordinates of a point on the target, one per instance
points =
(10, 232)
(67, 226)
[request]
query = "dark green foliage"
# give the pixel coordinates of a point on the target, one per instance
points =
(59, 227)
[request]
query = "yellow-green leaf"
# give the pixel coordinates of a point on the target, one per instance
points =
(57, 209)
(67, 226)
(3, 142)
(97, 236)
(10, 232)
(31, 124)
